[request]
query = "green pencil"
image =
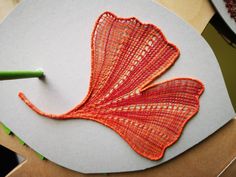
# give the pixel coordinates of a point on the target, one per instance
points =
(7, 75)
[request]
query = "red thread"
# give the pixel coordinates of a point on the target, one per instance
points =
(127, 56)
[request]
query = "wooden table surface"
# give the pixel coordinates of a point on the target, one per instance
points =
(197, 13)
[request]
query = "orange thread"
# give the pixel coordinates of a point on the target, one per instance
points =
(127, 56)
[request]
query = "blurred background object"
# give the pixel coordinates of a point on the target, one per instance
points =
(223, 42)
(8, 161)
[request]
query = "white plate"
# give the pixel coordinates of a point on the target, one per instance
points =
(55, 35)
(223, 11)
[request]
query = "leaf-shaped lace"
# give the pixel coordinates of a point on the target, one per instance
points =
(126, 57)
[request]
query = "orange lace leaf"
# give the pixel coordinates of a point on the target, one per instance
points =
(126, 57)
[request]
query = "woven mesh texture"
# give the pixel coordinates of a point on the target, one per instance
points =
(126, 57)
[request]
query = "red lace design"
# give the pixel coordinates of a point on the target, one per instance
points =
(126, 57)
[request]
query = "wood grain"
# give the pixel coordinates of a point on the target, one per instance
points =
(6, 6)
(195, 12)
